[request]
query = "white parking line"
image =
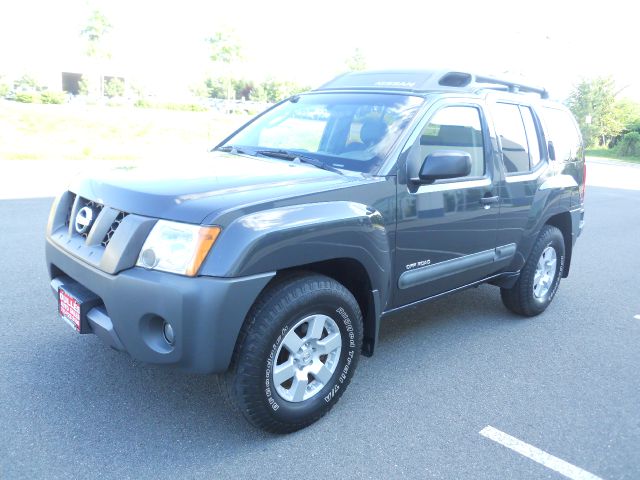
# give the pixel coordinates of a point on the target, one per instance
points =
(537, 455)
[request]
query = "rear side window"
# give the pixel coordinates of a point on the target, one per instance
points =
(516, 126)
(563, 133)
(455, 128)
(510, 128)
(533, 140)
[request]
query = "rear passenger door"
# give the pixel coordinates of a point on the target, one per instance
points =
(524, 159)
(446, 230)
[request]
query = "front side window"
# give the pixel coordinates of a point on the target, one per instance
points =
(353, 131)
(453, 128)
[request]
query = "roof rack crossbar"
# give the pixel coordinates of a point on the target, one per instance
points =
(512, 86)
(423, 81)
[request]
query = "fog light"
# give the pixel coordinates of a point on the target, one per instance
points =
(167, 331)
(149, 258)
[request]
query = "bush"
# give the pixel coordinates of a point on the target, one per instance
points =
(216, 87)
(634, 126)
(185, 107)
(84, 85)
(4, 90)
(53, 97)
(630, 145)
(27, 83)
(143, 103)
(117, 102)
(114, 87)
(28, 97)
(181, 107)
(274, 90)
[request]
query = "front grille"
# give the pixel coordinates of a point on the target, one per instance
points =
(72, 199)
(112, 228)
(96, 209)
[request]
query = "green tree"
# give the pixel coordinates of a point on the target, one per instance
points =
(627, 112)
(4, 87)
(84, 85)
(216, 88)
(94, 33)
(199, 90)
(27, 83)
(225, 48)
(357, 61)
(259, 94)
(630, 145)
(634, 125)
(600, 116)
(273, 90)
(114, 87)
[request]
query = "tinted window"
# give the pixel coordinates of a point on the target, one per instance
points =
(533, 140)
(350, 131)
(454, 128)
(302, 130)
(563, 133)
(510, 129)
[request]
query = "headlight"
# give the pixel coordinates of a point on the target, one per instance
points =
(177, 247)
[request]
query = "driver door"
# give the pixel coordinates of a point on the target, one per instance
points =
(447, 230)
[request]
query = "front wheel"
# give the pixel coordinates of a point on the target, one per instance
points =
(296, 353)
(540, 277)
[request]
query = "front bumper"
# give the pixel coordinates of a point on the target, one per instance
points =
(206, 313)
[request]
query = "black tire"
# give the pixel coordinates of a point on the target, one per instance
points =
(520, 298)
(249, 384)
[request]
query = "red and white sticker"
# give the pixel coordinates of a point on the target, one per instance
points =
(69, 308)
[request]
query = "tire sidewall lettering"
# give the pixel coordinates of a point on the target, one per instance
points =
(341, 375)
(268, 390)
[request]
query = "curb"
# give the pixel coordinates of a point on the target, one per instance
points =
(611, 161)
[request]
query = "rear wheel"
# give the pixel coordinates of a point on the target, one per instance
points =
(540, 278)
(296, 353)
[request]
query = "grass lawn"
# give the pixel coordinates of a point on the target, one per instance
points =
(70, 132)
(610, 153)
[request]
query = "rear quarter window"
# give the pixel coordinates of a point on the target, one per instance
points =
(563, 132)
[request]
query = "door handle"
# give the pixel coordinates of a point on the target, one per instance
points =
(489, 200)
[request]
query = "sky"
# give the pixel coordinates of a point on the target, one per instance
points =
(162, 44)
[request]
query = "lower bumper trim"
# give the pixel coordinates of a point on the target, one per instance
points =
(103, 327)
(97, 317)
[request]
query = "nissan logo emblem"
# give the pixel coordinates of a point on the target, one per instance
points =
(83, 220)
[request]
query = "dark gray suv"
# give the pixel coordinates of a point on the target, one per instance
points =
(272, 260)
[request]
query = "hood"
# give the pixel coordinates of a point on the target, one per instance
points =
(195, 190)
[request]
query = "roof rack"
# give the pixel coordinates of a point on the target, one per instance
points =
(512, 86)
(425, 81)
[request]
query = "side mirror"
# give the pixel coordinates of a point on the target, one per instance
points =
(444, 164)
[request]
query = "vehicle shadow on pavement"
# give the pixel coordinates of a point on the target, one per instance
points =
(95, 392)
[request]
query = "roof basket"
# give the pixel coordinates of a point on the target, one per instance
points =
(512, 86)
(419, 81)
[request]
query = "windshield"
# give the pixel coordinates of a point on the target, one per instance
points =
(352, 131)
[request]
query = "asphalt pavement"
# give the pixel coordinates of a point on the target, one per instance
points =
(566, 382)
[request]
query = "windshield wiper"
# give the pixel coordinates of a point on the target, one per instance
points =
(234, 150)
(298, 158)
